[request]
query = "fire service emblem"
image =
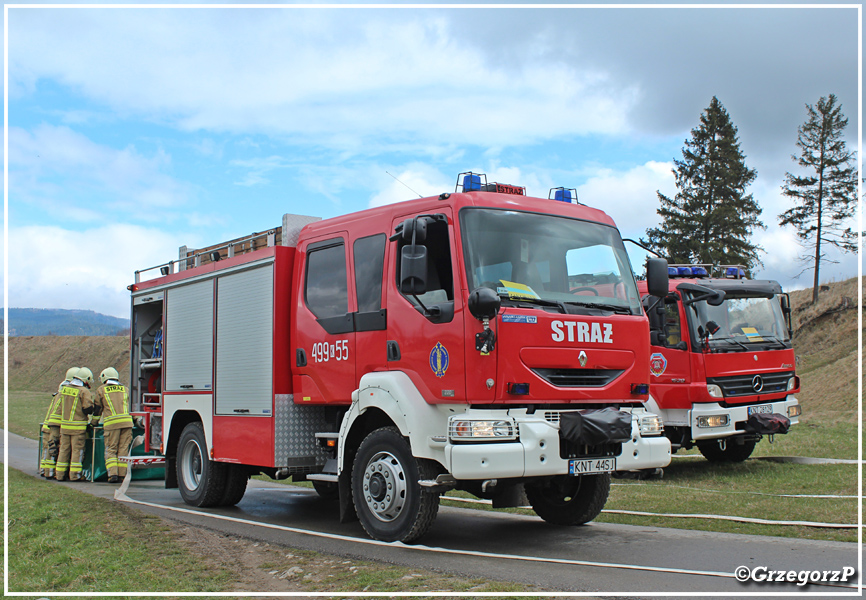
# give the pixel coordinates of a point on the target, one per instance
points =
(658, 364)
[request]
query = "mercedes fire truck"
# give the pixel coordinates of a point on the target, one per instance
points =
(722, 368)
(480, 340)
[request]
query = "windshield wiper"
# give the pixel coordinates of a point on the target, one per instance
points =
(540, 301)
(614, 307)
(740, 344)
(773, 338)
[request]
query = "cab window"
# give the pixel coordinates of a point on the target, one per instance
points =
(326, 289)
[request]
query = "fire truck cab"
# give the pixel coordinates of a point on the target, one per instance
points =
(722, 366)
(480, 340)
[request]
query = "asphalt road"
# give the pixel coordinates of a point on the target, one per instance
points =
(598, 557)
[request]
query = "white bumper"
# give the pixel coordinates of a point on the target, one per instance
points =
(735, 415)
(536, 451)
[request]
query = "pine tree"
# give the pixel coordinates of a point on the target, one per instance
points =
(825, 199)
(711, 218)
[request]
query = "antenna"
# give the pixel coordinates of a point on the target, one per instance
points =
(407, 187)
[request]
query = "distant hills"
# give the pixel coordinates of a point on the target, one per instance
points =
(55, 321)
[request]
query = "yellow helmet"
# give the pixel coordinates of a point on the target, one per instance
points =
(85, 375)
(71, 372)
(108, 373)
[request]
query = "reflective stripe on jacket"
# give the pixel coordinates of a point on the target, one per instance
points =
(114, 401)
(75, 399)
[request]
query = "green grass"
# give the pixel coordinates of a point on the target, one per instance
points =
(26, 411)
(63, 540)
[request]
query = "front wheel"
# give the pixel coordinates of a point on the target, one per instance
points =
(388, 498)
(714, 451)
(202, 482)
(568, 499)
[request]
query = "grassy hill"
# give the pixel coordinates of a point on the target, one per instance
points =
(55, 321)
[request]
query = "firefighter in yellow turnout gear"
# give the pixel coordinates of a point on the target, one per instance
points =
(112, 401)
(51, 428)
(77, 404)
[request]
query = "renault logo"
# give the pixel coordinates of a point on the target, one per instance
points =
(757, 383)
(581, 358)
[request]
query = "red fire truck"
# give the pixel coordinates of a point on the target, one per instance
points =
(722, 367)
(480, 340)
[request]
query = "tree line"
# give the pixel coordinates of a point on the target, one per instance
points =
(712, 216)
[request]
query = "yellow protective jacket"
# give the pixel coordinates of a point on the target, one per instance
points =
(112, 401)
(76, 400)
(54, 414)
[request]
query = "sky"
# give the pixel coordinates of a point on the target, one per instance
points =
(133, 131)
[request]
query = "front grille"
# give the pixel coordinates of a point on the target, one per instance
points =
(742, 385)
(578, 377)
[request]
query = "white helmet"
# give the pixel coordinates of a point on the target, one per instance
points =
(71, 372)
(108, 373)
(85, 375)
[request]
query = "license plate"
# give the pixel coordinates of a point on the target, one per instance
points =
(761, 408)
(591, 465)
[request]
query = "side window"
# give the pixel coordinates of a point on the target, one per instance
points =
(369, 254)
(673, 330)
(326, 289)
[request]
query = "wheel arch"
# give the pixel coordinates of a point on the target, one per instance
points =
(179, 420)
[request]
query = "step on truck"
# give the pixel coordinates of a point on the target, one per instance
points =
(480, 340)
(723, 370)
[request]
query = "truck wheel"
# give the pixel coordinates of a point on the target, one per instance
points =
(327, 490)
(236, 485)
(568, 499)
(733, 451)
(201, 481)
(385, 489)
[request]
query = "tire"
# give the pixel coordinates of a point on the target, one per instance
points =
(568, 499)
(388, 499)
(202, 482)
(327, 490)
(236, 485)
(733, 451)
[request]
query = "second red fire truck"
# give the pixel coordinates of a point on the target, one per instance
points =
(723, 371)
(480, 340)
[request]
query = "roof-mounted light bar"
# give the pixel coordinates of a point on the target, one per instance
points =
(733, 271)
(477, 182)
(699, 270)
(562, 194)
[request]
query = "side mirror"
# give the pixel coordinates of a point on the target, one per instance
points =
(416, 226)
(716, 299)
(413, 270)
(657, 277)
(712, 327)
(484, 303)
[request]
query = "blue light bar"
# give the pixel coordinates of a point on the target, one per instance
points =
(471, 183)
(672, 272)
(563, 196)
(699, 272)
(684, 271)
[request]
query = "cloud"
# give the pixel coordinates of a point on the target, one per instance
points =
(53, 267)
(411, 181)
(57, 169)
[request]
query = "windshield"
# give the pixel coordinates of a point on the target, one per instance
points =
(742, 320)
(535, 258)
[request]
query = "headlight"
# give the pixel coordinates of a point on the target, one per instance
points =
(714, 391)
(794, 411)
(792, 384)
(651, 425)
(713, 420)
(460, 430)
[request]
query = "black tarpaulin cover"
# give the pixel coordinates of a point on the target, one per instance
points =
(768, 423)
(594, 427)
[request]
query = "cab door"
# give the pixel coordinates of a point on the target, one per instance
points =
(425, 331)
(324, 334)
(670, 373)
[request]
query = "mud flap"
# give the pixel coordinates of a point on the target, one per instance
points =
(347, 506)
(595, 427)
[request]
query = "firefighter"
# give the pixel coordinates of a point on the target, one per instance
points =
(51, 428)
(112, 401)
(77, 405)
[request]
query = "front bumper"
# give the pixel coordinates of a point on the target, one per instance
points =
(536, 451)
(738, 414)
